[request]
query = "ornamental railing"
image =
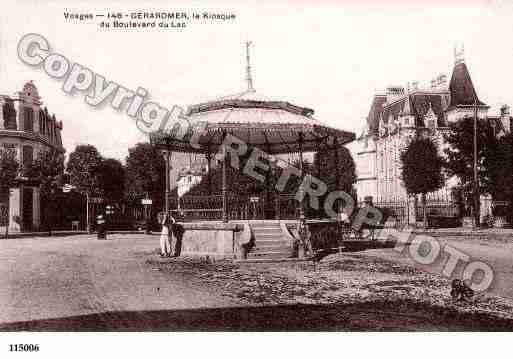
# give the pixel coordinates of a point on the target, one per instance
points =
(241, 207)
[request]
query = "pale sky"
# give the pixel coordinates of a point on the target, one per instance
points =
(331, 56)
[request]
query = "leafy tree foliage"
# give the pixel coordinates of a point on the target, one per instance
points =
(8, 170)
(422, 168)
(240, 184)
(145, 172)
(84, 169)
(48, 169)
(460, 153)
(344, 176)
(112, 180)
(500, 170)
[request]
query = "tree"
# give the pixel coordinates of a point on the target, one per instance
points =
(336, 169)
(48, 169)
(84, 171)
(145, 173)
(8, 171)
(240, 184)
(500, 170)
(422, 169)
(460, 154)
(112, 180)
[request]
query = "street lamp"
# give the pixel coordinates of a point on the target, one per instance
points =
(147, 202)
(475, 182)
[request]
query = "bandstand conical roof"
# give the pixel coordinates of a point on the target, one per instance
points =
(274, 126)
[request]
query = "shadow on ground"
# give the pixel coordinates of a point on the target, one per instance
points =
(368, 316)
(356, 246)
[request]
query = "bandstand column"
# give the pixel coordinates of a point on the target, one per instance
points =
(224, 189)
(166, 200)
(268, 205)
(208, 156)
(319, 159)
(335, 142)
(301, 172)
(337, 170)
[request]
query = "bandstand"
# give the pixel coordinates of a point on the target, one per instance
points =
(223, 222)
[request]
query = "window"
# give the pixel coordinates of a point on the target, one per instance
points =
(28, 155)
(9, 116)
(28, 120)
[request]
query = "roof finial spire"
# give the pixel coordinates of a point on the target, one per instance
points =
(249, 79)
(459, 53)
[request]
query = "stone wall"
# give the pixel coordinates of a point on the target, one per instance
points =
(214, 239)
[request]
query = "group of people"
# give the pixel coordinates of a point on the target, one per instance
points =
(169, 245)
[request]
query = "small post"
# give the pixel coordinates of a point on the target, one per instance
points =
(88, 220)
(147, 202)
(224, 189)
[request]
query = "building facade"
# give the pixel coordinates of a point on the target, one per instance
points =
(397, 115)
(28, 129)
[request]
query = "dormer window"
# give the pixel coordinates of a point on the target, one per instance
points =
(430, 119)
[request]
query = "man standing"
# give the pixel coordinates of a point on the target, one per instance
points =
(175, 237)
(165, 245)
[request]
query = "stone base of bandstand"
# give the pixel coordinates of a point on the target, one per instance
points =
(468, 222)
(216, 240)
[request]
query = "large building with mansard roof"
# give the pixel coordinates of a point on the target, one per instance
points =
(397, 114)
(27, 128)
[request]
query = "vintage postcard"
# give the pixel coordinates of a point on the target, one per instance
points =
(254, 166)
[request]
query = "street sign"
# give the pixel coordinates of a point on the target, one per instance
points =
(254, 199)
(146, 201)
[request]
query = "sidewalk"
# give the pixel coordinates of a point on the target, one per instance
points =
(61, 233)
(501, 234)
(480, 233)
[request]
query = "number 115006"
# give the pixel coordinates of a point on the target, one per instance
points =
(23, 347)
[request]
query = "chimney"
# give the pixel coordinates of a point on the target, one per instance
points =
(505, 118)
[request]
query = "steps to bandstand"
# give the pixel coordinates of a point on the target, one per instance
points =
(269, 241)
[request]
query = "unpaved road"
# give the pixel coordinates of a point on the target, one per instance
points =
(497, 254)
(80, 283)
(68, 276)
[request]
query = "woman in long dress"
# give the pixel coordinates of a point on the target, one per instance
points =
(165, 244)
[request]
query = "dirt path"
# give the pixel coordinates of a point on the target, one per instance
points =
(60, 277)
(80, 283)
